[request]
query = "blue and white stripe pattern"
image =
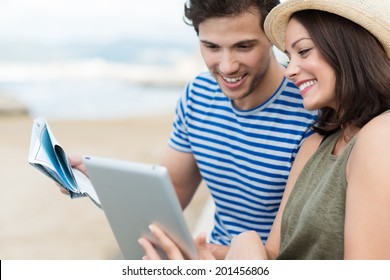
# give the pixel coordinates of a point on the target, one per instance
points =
(244, 156)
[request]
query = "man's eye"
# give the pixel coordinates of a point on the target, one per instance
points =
(244, 47)
(212, 47)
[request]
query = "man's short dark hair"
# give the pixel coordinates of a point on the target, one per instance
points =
(197, 11)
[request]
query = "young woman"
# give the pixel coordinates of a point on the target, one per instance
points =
(337, 200)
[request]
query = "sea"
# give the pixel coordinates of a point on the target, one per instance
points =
(97, 80)
(96, 59)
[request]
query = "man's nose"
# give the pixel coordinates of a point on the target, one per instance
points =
(229, 63)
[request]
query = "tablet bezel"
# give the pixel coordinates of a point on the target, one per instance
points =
(134, 195)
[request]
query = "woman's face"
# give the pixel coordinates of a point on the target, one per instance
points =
(308, 69)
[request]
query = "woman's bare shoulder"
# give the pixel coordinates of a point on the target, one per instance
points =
(372, 147)
(376, 131)
(312, 142)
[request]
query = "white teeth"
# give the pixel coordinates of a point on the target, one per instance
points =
(307, 84)
(232, 80)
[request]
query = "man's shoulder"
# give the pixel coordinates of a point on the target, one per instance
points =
(290, 88)
(289, 94)
(290, 101)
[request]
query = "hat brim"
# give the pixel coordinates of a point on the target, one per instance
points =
(372, 15)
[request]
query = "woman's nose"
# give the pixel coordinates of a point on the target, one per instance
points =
(292, 70)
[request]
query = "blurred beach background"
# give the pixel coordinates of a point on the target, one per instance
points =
(95, 59)
(106, 74)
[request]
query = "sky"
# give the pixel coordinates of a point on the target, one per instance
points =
(92, 20)
(26, 23)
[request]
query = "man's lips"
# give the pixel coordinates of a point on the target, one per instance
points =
(233, 82)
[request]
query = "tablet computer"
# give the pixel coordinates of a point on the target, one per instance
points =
(134, 195)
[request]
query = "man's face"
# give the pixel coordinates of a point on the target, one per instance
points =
(238, 54)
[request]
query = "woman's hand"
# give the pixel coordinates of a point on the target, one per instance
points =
(170, 248)
(247, 246)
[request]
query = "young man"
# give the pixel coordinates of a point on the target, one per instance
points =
(239, 126)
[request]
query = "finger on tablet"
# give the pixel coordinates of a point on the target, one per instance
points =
(167, 245)
(150, 252)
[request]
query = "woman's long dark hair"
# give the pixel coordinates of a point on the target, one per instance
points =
(361, 66)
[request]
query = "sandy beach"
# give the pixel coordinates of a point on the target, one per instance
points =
(39, 222)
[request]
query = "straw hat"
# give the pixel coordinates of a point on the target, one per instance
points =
(373, 15)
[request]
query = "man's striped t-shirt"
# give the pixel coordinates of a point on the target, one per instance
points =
(243, 156)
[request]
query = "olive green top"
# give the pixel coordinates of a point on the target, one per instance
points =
(313, 219)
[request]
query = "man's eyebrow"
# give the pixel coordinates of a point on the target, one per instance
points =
(250, 41)
(246, 42)
(207, 42)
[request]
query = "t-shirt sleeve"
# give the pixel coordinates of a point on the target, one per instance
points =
(312, 119)
(179, 139)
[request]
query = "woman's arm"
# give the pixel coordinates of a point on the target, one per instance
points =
(247, 246)
(367, 220)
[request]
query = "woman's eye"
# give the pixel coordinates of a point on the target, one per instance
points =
(303, 52)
